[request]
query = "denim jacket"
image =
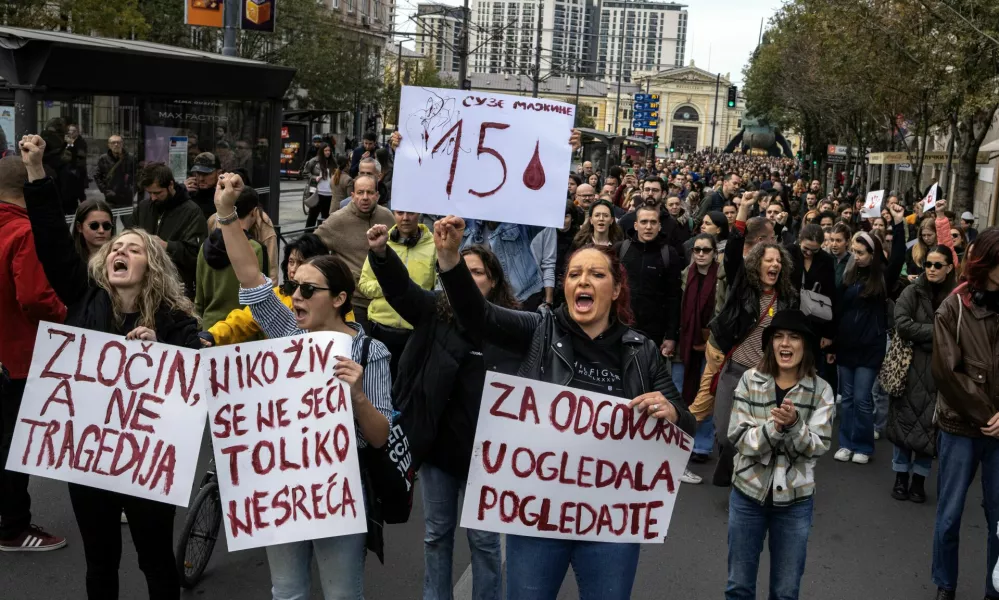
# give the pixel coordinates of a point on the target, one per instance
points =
(511, 243)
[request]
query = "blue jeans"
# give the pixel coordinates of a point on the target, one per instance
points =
(441, 492)
(959, 458)
(536, 567)
(748, 525)
(902, 461)
(704, 439)
(856, 426)
(340, 561)
(881, 401)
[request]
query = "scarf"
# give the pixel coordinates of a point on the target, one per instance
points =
(695, 313)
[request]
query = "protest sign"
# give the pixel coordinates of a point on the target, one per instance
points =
(110, 413)
(481, 155)
(872, 205)
(930, 201)
(552, 461)
(285, 446)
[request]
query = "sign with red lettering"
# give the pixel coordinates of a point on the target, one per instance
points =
(110, 413)
(552, 461)
(481, 155)
(284, 440)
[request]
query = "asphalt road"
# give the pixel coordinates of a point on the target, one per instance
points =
(863, 543)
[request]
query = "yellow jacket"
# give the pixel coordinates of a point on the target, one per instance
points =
(240, 327)
(419, 261)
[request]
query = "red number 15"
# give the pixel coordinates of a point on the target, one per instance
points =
(482, 149)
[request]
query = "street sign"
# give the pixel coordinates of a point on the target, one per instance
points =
(646, 97)
(646, 106)
(645, 123)
(645, 115)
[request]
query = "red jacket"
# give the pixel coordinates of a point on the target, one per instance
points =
(25, 294)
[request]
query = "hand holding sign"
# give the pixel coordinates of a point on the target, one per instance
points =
(930, 201)
(656, 405)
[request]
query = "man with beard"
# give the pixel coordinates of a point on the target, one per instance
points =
(201, 184)
(652, 195)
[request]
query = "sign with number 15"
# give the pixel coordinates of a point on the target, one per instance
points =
(481, 155)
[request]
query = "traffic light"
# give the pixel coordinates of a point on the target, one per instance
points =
(732, 96)
(672, 146)
(655, 141)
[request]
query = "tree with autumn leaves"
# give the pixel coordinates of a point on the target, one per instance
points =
(882, 74)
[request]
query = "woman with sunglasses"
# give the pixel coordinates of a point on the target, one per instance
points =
(591, 330)
(699, 281)
(321, 292)
(814, 270)
(862, 334)
(239, 325)
(93, 227)
(910, 416)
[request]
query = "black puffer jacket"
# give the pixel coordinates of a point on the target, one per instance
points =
(88, 305)
(910, 416)
(546, 346)
(438, 387)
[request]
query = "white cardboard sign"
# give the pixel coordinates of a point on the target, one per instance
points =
(930, 201)
(285, 445)
(872, 205)
(114, 414)
(551, 461)
(481, 155)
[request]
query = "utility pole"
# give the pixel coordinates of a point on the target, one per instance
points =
(231, 20)
(714, 115)
(620, 68)
(537, 52)
(578, 117)
(463, 57)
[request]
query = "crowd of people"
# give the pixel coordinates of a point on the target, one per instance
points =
(723, 293)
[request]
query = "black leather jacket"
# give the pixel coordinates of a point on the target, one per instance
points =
(547, 346)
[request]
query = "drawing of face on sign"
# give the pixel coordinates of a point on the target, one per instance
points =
(426, 126)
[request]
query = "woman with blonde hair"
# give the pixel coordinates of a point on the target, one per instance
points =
(129, 287)
(915, 256)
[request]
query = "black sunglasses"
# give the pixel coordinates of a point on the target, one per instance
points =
(702, 250)
(289, 287)
(105, 225)
(935, 265)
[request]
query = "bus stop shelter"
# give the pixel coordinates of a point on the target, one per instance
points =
(149, 94)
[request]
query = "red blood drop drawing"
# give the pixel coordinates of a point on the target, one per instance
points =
(534, 174)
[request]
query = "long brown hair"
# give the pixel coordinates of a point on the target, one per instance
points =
(874, 284)
(620, 308)
(501, 295)
(82, 211)
(768, 364)
(585, 235)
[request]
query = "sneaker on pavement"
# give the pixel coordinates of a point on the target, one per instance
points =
(860, 459)
(843, 455)
(689, 477)
(34, 539)
(877, 435)
(124, 519)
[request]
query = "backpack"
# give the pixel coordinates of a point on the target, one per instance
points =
(626, 245)
(389, 477)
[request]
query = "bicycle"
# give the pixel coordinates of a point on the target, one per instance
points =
(200, 532)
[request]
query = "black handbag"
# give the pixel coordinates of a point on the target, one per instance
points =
(389, 477)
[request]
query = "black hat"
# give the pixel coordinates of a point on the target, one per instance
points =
(789, 320)
(205, 163)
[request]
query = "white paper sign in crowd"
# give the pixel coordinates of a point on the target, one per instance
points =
(872, 204)
(110, 413)
(552, 461)
(285, 446)
(481, 155)
(930, 201)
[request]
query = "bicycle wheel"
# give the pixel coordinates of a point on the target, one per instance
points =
(198, 537)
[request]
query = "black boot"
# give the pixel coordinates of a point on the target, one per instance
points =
(901, 489)
(917, 491)
(943, 594)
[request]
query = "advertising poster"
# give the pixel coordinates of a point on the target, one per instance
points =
(207, 13)
(257, 15)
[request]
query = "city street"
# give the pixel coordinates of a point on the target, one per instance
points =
(863, 544)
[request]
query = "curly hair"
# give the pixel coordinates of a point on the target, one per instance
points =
(161, 285)
(754, 260)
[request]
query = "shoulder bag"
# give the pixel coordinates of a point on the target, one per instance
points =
(895, 367)
(813, 304)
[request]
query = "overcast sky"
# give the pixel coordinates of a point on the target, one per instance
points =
(720, 34)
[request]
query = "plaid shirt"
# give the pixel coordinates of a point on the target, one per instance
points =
(781, 462)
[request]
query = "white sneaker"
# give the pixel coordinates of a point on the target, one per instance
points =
(877, 435)
(124, 519)
(861, 459)
(843, 455)
(689, 477)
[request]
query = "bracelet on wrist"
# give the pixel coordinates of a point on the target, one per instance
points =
(226, 220)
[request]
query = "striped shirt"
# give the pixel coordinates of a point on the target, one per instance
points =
(750, 351)
(277, 321)
(781, 463)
